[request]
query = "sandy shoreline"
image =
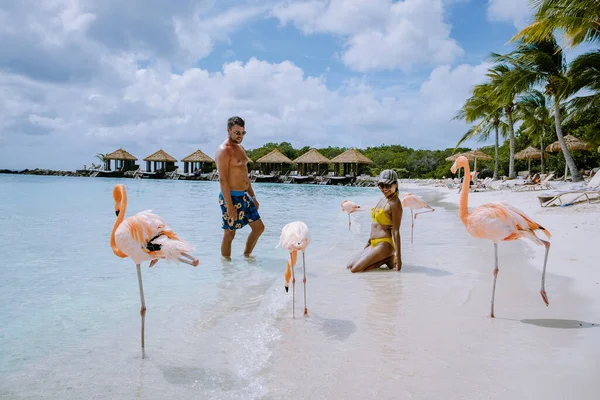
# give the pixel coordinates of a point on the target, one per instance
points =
(426, 333)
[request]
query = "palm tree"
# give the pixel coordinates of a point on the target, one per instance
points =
(482, 106)
(543, 63)
(506, 88)
(584, 73)
(536, 118)
(578, 19)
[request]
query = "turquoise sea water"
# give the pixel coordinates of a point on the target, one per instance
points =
(64, 294)
(70, 323)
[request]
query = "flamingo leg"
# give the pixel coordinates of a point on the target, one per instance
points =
(293, 291)
(143, 309)
(349, 222)
(495, 277)
(412, 224)
(423, 212)
(304, 271)
(543, 290)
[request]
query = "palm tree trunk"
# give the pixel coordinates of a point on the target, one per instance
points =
(542, 149)
(511, 131)
(576, 177)
(496, 155)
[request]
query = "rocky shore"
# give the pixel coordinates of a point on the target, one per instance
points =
(48, 172)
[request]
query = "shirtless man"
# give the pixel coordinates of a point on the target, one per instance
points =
(237, 199)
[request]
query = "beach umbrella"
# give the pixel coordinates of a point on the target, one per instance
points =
(572, 144)
(530, 153)
(474, 155)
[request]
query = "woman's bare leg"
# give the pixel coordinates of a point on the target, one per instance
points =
(374, 257)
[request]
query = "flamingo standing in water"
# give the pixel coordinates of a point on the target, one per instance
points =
(295, 237)
(349, 207)
(498, 222)
(414, 202)
(145, 237)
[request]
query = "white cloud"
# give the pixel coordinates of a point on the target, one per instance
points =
(517, 12)
(179, 113)
(380, 34)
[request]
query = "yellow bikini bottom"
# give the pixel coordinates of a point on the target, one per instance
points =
(375, 242)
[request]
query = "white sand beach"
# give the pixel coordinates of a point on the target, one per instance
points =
(427, 334)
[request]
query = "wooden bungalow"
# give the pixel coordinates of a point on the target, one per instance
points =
(312, 162)
(197, 161)
(350, 163)
(124, 161)
(271, 165)
(163, 162)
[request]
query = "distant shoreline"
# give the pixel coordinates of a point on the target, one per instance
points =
(48, 172)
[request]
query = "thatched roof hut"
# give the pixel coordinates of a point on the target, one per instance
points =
(120, 154)
(312, 161)
(351, 159)
(351, 156)
(124, 161)
(167, 162)
(274, 159)
(196, 161)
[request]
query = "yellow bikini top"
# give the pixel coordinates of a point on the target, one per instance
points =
(380, 216)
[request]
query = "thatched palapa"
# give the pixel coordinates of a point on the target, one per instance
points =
(350, 159)
(124, 161)
(351, 156)
(272, 159)
(312, 161)
(530, 153)
(572, 144)
(167, 162)
(196, 161)
(120, 154)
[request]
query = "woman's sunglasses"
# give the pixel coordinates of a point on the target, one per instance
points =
(384, 185)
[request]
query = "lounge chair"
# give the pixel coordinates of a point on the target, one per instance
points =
(543, 185)
(591, 192)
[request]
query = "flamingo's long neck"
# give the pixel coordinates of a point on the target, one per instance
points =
(120, 218)
(290, 264)
(463, 205)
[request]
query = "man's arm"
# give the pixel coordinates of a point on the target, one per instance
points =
(222, 159)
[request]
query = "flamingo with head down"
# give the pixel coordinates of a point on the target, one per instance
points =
(350, 207)
(295, 237)
(414, 202)
(499, 222)
(145, 237)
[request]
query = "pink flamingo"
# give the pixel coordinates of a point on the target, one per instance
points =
(498, 222)
(295, 237)
(350, 207)
(145, 237)
(414, 202)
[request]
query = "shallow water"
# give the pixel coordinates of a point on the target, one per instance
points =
(70, 324)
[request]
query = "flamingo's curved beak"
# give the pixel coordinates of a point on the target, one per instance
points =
(117, 213)
(287, 289)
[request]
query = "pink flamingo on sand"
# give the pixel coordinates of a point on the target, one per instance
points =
(295, 237)
(350, 207)
(414, 202)
(145, 237)
(498, 222)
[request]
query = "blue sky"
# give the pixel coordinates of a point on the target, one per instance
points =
(81, 77)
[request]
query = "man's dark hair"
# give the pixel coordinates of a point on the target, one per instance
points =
(231, 122)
